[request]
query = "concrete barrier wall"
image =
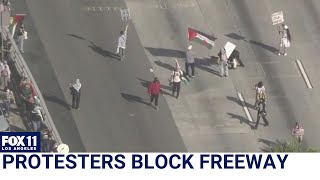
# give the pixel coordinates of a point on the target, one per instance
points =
(23, 71)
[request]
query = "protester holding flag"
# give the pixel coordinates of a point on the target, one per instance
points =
(190, 61)
(122, 43)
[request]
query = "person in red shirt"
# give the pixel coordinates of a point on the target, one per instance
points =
(153, 91)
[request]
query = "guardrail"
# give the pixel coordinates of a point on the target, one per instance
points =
(24, 71)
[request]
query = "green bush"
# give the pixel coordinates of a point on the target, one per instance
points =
(291, 145)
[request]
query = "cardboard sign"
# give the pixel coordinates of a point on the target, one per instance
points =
(277, 18)
(125, 14)
(229, 47)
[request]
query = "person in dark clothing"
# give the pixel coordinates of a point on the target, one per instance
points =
(153, 91)
(46, 136)
(7, 49)
(76, 93)
(261, 108)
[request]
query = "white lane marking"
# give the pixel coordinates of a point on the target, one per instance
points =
(304, 74)
(245, 108)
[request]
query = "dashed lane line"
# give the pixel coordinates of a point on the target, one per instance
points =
(304, 74)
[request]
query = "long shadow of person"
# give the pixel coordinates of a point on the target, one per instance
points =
(165, 65)
(134, 99)
(236, 100)
(103, 52)
(166, 52)
(56, 100)
(241, 119)
(204, 64)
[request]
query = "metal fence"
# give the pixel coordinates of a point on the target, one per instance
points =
(24, 71)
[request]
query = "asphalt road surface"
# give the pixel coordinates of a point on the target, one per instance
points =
(69, 43)
(71, 39)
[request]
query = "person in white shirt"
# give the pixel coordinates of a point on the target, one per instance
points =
(5, 74)
(285, 39)
(223, 62)
(176, 76)
(122, 43)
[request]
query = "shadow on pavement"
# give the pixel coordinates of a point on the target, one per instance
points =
(166, 52)
(235, 36)
(103, 52)
(165, 65)
(242, 119)
(239, 37)
(267, 47)
(236, 100)
(57, 100)
(134, 99)
(76, 36)
(267, 142)
(204, 64)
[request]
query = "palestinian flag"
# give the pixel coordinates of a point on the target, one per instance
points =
(14, 21)
(194, 36)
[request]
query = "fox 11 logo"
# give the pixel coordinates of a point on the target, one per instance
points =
(20, 142)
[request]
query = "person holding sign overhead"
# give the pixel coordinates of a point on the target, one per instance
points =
(285, 39)
(122, 43)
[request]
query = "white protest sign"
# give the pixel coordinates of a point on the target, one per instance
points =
(229, 47)
(277, 18)
(125, 14)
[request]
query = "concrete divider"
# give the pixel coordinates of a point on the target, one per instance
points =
(24, 71)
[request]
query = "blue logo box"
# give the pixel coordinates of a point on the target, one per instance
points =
(20, 142)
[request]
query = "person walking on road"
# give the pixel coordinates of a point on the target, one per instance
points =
(175, 79)
(261, 95)
(122, 41)
(76, 93)
(285, 39)
(261, 108)
(153, 91)
(298, 132)
(8, 98)
(190, 61)
(223, 62)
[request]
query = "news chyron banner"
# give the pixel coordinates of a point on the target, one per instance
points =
(20, 159)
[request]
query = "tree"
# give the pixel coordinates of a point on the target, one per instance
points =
(291, 145)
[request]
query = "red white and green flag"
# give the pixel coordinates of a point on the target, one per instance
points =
(196, 37)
